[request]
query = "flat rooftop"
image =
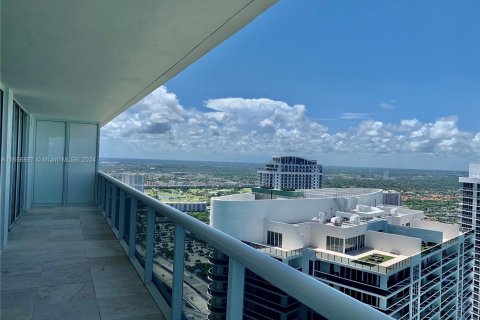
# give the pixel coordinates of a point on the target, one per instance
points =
(366, 252)
(338, 192)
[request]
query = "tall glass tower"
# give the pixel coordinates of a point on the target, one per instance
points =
(471, 220)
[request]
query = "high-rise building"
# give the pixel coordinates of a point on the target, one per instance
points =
(134, 180)
(471, 221)
(290, 173)
(388, 257)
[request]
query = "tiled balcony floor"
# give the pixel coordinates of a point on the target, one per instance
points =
(65, 263)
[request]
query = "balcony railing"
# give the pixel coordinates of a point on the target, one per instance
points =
(431, 250)
(431, 267)
(395, 307)
(149, 230)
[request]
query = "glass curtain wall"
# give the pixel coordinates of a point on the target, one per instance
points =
(19, 150)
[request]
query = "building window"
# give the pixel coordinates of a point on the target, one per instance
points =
(334, 244)
(274, 239)
(355, 243)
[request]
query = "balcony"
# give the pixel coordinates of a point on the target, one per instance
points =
(66, 261)
(430, 267)
(398, 305)
(128, 258)
(112, 261)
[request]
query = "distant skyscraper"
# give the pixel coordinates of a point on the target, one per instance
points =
(134, 180)
(386, 175)
(471, 220)
(291, 173)
(385, 256)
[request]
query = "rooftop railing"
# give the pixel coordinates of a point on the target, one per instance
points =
(165, 245)
(274, 251)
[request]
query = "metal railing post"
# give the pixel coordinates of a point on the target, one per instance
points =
(132, 239)
(236, 284)
(99, 191)
(178, 272)
(113, 217)
(107, 196)
(121, 216)
(149, 245)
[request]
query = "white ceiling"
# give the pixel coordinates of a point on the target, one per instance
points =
(92, 59)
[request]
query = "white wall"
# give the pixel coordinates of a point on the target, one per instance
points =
(388, 242)
(243, 217)
(293, 235)
(320, 231)
(449, 230)
(421, 233)
(474, 170)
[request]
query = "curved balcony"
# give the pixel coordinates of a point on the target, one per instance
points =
(217, 292)
(217, 316)
(217, 308)
(217, 277)
(217, 261)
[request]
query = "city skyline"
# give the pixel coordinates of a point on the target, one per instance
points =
(392, 87)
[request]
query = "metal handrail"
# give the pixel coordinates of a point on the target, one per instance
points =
(297, 284)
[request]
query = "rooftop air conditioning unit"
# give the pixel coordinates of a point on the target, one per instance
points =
(337, 221)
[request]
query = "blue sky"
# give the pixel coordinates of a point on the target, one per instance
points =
(356, 68)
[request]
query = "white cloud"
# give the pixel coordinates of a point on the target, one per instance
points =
(159, 124)
(387, 105)
(353, 115)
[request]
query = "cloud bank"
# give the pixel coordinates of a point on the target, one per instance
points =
(159, 124)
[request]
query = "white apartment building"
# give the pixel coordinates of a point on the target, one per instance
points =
(134, 180)
(388, 257)
(290, 173)
(470, 220)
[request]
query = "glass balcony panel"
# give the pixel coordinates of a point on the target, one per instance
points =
(141, 235)
(198, 276)
(108, 208)
(117, 206)
(164, 244)
(128, 203)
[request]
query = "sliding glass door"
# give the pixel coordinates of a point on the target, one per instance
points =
(17, 162)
